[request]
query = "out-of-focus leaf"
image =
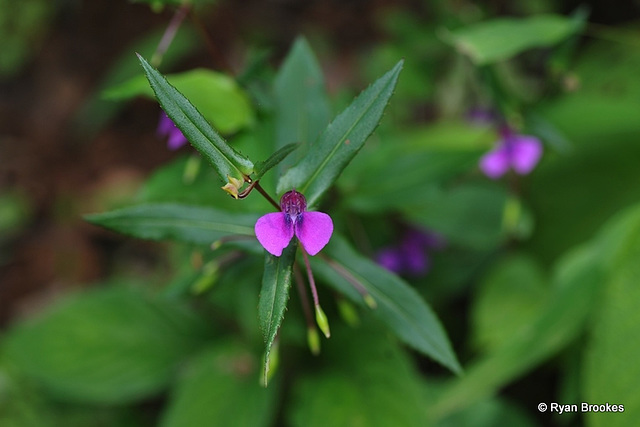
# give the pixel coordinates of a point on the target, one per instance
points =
(225, 160)
(366, 381)
(108, 346)
(509, 298)
(23, 27)
(611, 363)
(502, 38)
(168, 185)
(97, 111)
(302, 105)
(20, 403)
(192, 224)
(490, 413)
(399, 306)
(576, 284)
(263, 167)
(274, 295)
(220, 386)
(602, 121)
(470, 215)
(340, 141)
(217, 96)
(395, 171)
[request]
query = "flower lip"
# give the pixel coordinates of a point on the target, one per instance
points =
(275, 230)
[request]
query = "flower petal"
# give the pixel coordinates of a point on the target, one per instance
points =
(164, 124)
(495, 163)
(314, 230)
(176, 139)
(526, 153)
(273, 232)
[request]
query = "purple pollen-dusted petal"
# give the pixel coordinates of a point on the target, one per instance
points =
(496, 162)
(525, 153)
(273, 232)
(314, 230)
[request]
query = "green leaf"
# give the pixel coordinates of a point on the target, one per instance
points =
(577, 281)
(108, 346)
(216, 383)
(611, 367)
(263, 167)
(340, 141)
(366, 380)
(450, 212)
(225, 160)
(302, 105)
(274, 295)
(508, 299)
(217, 96)
(399, 306)
(502, 38)
(428, 156)
(192, 224)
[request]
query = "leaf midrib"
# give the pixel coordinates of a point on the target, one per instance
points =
(342, 139)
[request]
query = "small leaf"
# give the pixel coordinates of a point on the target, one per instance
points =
(502, 38)
(577, 282)
(217, 382)
(160, 221)
(225, 160)
(508, 300)
(449, 212)
(113, 345)
(263, 167)
(301, 101)
(399, 306)
(274, 295)
(366, 380)
(611, 369)
(340, 141)
(217, 96)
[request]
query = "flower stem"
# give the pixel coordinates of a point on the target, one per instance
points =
(321, 318)
(169, 34)
(312, 283)
(268, 197)
(368, 299)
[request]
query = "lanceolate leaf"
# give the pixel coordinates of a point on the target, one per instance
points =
(192, 224)
(225, 160)
(263, 167)
(399, 306)
(301, 101)
(340, 141)
(217, 96)
(502, 38)
(274, 295)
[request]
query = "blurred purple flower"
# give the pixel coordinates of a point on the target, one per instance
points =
(411, 256)
(275, 230)
(166, 128)
(518, 152)
(481, 116)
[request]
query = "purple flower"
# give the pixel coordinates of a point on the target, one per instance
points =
(167, 128)
(518, 152)
(411, 256)
(275, 230)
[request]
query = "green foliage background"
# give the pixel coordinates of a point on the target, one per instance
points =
(539, 277)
